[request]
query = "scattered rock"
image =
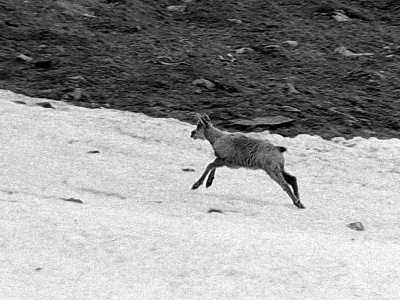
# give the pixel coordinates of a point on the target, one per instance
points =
(72, 200)
(270, 122)
(367, 75)
(214, 210)
(48, 93)
(330, 9)
(370, 132)
(74, 9)
(292, 89)
(77, 94)
(94, 105)
(340, 16)
(338, 140)
(188, 170)
(228, 86)
(236, 21)
(271, 50)
(244, 50)
(204, 83)
(78, 77)
(352, 13)
(168, 61)
(356, 226)
(44, 104)
(44, 64)
(229, 58)
(290, 108)
(392, 51)
(11, 23)
(93, 151)
(293, 44)
(176, 8)
(335, 110)
(346, 52)
(24, 58)
(115, 1)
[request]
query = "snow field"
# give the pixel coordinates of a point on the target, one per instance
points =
(142, 233)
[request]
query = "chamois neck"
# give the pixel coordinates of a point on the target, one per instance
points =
(212, 134)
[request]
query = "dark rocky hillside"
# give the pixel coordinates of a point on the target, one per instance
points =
(330, 68)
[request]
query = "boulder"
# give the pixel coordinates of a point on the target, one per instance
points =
(266, 122)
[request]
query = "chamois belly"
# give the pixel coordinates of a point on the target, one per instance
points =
(241, 161)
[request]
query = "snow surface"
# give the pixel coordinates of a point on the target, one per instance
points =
(142, 233)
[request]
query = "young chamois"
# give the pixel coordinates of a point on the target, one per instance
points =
(236, 150)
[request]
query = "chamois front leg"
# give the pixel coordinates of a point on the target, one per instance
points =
(218, 162)
(210, 178)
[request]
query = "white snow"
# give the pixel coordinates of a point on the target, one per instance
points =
(142, 233)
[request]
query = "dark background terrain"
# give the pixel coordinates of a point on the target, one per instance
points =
(143, 56)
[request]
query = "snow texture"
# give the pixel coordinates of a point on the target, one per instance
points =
(142, 233)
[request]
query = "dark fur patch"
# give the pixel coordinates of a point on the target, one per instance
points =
(281, 149)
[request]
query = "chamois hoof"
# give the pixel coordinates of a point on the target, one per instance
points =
(300, 205)
(195, 186)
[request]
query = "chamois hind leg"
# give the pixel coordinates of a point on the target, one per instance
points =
(218, 162)
(292, 180)
(277, 176)
(210, 178)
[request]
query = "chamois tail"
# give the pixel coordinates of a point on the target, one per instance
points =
(281, 149)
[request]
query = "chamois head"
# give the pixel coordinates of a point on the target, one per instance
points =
(203, 122)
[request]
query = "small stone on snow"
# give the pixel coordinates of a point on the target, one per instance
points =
(44, 104)
(356, 226)
(214, 210)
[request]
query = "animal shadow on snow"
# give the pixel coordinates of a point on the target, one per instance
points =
(234, 198)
